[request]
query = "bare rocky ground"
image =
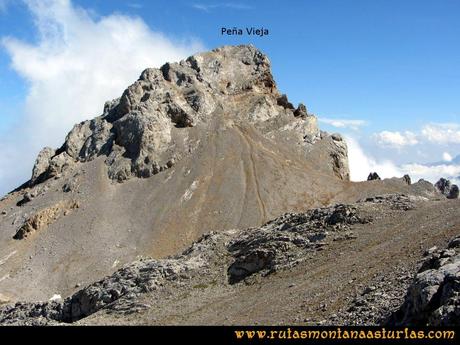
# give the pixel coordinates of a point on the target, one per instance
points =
(345, 264)
(207, 151)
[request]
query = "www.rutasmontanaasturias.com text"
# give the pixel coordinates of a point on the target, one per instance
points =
(339, 333)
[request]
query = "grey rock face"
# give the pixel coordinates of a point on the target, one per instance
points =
(143, 131)
(42, 163)
(373, 176)
(433, 298)
(339, 156)
(59, 164)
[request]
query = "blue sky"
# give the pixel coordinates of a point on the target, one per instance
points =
(384, 72)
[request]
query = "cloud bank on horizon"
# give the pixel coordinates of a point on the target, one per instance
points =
(361, 164)
(77, 64)
(434, 136)
(435, 133)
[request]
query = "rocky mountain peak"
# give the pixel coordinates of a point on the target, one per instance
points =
(163, 116)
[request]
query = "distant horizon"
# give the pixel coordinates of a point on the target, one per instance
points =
(382, 73)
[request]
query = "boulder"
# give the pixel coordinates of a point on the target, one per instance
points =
(445, 187)
(453, 193)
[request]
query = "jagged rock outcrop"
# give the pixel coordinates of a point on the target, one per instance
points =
(443, 185)
(42, 164)
(43, 218)
(407, 179)
(433, 298)
(332, 153)
(284, 241)
(373, 176)
(447, 188)
(339, 155)
(301, 111)
(395, 201)
(148, 128)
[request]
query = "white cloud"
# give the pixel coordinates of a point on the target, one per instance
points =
(432, 173)
(396, 139)
(361, 164)
(447, 157)
(442, 133)
(77, 64)
(343, 123)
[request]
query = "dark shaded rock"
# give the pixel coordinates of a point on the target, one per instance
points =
(453, 193)
(67, 187)
(283, 101)
(407, 179)
(373, 176)
(28, 197)
(445, 187)
(301, 111)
